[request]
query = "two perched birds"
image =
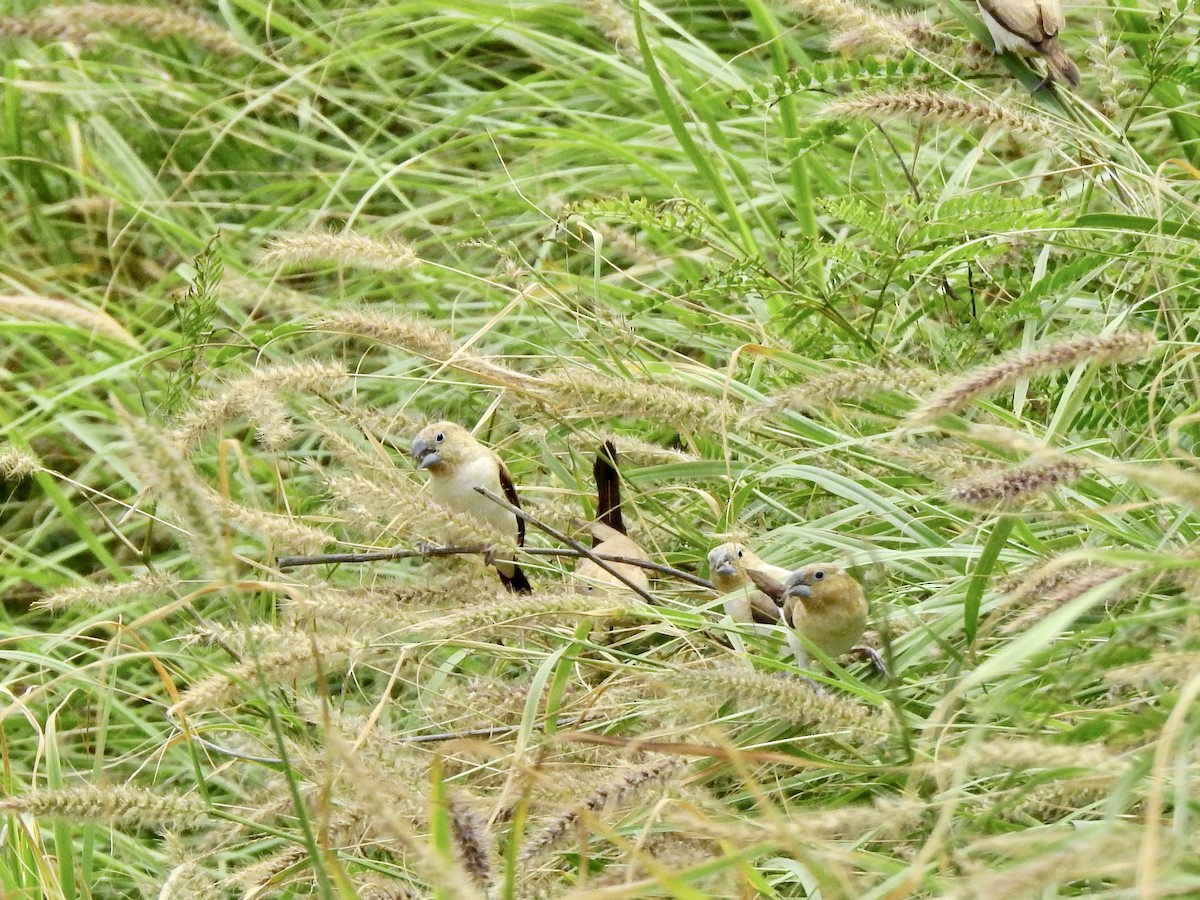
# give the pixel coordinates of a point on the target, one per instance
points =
(820, 605)
(1031, 28)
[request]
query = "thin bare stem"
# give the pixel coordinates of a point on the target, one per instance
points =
(329, 559)
(323, 559)
(568, 540)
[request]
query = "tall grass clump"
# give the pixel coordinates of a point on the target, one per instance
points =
(836, 282)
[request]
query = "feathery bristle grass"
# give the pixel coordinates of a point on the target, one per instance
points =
(161, 24)
(508, 611)
(352, 607)
(1060, 798)
(614, 21)
(626, 783)
(346, 248)
(790, 700)
(1088, 855)
(1058, 593)
(91, 320)
(383, 887)
(256, 396)
(1013, 487)
(1172, 482)
(860, 40)
(1097, 350)
(929, 107)
(829, 390)
(17, 464)
(120, 806)
(277, 666)
(876, 32)
(40, 27)
(474, 842)
(169, 477)
(1010, 754)
(420, 339)
(189, 881)
(256, 876)
(104, 596)
(379, 800)
(885, 819)
(1170, 669)
(283, 531)
(577, 393)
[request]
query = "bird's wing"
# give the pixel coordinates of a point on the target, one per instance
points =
(510, 494)
(766, 584)
(763, 609)
(608, 489)
(1034, 20)
(1053, 19)
(602, 533)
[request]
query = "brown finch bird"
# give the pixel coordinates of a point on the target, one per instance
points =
(457, 464)
(609, 537)
(824, 607)
(1031, 27)
(753, 588)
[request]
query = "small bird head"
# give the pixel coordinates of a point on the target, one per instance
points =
(440, 444)
(726, 559)
(814, 580)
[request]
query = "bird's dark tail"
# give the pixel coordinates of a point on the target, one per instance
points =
(516, 582)
(1057, 61)
(608, 488)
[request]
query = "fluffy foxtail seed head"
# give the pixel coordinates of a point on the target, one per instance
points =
(1014, 486)
(1096, 349)
(122, 806)
(346, 248)
(930, 107)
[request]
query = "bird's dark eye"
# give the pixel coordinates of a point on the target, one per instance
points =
(739, 554)
(440, 437)
(818, 575)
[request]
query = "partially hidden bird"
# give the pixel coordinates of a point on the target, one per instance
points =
(752, 587)
(826, 608)
(1031, 28)
(457, 464)
(609, 535)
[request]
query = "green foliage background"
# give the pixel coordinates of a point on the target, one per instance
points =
(649, 219)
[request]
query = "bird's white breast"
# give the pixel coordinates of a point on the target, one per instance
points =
(458, 492)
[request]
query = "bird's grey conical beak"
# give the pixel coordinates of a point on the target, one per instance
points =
(424, 454)
(796, 589)
(726, 568)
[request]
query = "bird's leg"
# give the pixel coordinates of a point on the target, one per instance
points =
(1043, 84)
(875, 658)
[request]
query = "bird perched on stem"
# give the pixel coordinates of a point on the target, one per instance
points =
(609, 536)
(457, 464)
(826, 608)
(753, 588)
(1031, 27)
